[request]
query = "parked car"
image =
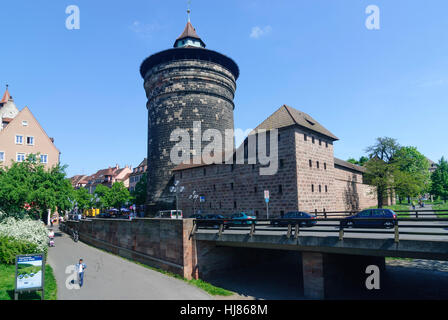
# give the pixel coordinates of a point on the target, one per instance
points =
(303, 219)
(371, 218)
(169, 214)
(242, 218)
(208, 220)
(104, 215)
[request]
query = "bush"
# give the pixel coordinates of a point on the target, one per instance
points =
(10, 247)
(26, 230)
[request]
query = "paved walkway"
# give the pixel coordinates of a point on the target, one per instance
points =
(109, 277)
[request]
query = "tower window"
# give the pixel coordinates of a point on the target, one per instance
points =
(281, 163)
(311, 163)
(312, 140)
(317, 163)
(280, 189)
(320, 142)
(326, 188)
(325, 166)
(312, 188)
(231, 186)
(305, 138)
(255, 189)
(205, 171)
(234, 204)
(214, 187)
(326, 144)
(320, 188)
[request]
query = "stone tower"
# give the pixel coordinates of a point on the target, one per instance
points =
(184, 84)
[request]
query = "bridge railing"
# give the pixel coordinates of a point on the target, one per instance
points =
(394, 227)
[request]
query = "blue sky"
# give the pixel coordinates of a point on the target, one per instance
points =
(314, 55)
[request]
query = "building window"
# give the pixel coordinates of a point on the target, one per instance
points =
(20, 157)
(2, 156)
(19, 139)
(43, 158)
(326, 144)
(320, 142)
(320, 188)
(280, 189)
(205, 171)
(312, 140)
(253, 167)
(30, 141)
(281, 163)
(311, 163)
(278, 137)
(255, 189)
(325, 165)
(24, 123)
(234, 204)
(220, 205)
(214, 187)
(326, 188)
(312, 188)
(232, 167)
(305, 138)
(317, 163)
(231, 186)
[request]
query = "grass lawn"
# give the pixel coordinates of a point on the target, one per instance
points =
(441, 207)
(7, 274)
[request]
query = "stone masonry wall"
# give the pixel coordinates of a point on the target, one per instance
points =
(159, 243)
(180, 92)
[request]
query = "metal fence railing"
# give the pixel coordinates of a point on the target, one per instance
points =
(421, 224)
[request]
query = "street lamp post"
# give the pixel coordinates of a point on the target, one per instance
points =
(177, 189)
(193, 197)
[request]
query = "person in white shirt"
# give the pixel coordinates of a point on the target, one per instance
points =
(80, 267)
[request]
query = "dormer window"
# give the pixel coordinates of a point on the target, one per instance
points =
(24, 123)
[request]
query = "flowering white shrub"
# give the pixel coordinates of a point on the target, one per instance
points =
(26, 230)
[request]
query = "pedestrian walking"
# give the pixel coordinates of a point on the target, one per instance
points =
(80, 267)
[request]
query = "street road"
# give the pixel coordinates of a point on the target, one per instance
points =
(109, 277)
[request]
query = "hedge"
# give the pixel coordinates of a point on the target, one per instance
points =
(10, 247)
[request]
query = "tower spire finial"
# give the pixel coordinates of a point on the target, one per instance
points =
(189, 10)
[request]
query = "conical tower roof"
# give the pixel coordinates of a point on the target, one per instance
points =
(8, 108)
(189, 33)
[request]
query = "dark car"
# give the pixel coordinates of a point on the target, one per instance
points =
(209, 221)
(104, 215)
(371, 218)
(303, 219)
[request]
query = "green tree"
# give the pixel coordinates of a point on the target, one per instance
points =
(381, 169)
(102, 192)
(83, 198)
(30, 187)
(412, 178)
(140, 191)
(439, 180)
(118, 195)
(361, 162)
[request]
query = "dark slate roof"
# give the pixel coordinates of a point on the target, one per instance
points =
(342, 163)
(287, 116)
